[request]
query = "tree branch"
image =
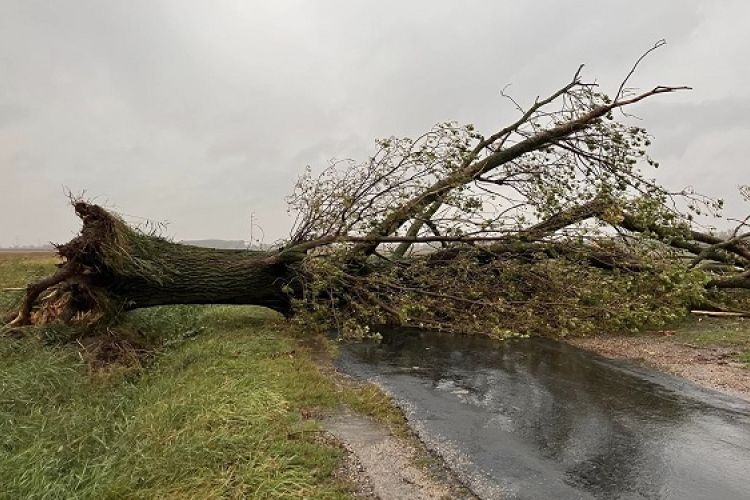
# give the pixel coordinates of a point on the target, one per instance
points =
(465, 175)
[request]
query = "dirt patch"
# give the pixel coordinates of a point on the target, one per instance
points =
(124, 349)
(383, 457)
(382, 466)
(709, 366)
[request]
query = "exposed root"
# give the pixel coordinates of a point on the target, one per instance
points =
(35, 289)
(68, 294)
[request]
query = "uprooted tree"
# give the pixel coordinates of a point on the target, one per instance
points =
(547, 225)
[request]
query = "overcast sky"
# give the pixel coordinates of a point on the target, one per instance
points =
(200, 112)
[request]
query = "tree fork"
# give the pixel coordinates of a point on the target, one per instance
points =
(473, 170)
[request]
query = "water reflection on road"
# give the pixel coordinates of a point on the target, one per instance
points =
(540, 419)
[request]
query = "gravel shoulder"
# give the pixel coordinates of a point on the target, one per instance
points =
(383, 457)
(711, 353)
(382, 466)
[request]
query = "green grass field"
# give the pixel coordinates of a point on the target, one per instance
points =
(218, 408)
(719, 332)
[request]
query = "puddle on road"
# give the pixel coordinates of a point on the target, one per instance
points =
(539, 419)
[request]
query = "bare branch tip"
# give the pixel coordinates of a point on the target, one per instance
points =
(577, 76)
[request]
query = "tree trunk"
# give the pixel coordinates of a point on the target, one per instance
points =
(193, 275)
(109, 267)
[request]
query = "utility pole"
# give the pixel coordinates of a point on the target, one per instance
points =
(252, 223)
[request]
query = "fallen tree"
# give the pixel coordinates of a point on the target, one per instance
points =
(545, 225)
(110, 267)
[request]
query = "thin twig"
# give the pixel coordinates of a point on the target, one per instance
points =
(658, 44)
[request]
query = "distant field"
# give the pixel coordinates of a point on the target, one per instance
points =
(22, 253)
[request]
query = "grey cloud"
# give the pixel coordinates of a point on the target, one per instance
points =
(11, 114)
(200, 112)
(677, 126)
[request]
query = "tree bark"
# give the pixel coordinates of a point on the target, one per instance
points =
(730, 282)
(193, 275)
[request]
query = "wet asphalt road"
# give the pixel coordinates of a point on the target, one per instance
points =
(537, 419)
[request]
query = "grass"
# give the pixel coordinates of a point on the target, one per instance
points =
(220, 410)
(719, 332)
(17, 269)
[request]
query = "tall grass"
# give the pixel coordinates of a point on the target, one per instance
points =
(217, 413)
